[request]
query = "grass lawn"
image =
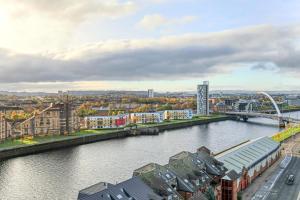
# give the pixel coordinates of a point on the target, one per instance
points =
(98, 131)
(10, 143)
(198, 118)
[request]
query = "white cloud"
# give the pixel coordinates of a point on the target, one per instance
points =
(40, 25)
(167, 58)
(66, 10)
(155, 21)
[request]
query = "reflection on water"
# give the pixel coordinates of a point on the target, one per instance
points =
(60, 174)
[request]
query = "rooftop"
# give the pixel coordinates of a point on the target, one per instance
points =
(132, 189)
(248, 154)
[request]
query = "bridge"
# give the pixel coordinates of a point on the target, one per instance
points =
(283, 120)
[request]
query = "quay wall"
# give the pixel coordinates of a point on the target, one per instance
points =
(6, 153)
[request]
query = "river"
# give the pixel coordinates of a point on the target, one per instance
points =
(62, 173)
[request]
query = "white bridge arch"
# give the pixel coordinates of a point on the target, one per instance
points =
(273, 102)
(278, 116)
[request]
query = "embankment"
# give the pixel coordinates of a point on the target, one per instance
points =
(11, 152)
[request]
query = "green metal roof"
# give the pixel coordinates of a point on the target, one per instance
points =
(249, 154)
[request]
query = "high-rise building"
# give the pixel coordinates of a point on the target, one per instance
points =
(202, 98)
(150, 93)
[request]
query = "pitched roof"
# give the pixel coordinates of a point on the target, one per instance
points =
(161, 179)
(93, 190)
(190, 169)
(132, 189)
(213, 166)
(231, 175)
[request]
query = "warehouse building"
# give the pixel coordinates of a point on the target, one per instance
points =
(245, 163)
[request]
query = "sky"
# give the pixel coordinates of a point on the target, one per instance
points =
(167, 45)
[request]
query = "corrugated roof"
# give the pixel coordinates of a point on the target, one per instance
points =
(249, 154)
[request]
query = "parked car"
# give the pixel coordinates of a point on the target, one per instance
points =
(290, 179)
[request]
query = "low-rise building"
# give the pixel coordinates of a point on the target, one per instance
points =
(162, 180)
(202, 176)
(293, 100)
(245, 163)
(186, 176)
(116, 121)
(143, 118)
(200, 171)
(131, 189)
(178, 114)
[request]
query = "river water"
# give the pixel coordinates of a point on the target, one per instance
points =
(61, 174)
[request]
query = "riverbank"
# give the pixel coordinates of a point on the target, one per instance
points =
(15, 148)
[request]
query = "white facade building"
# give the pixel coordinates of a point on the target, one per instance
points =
(142, 118)
(150, 93)
(203, 98)
(98, 122)
(293, 100)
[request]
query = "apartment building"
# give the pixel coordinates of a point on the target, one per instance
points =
(143, 118)
(57, 119)
(203, 98)
(5, 125)
(95, 122)
(5, 128)
(178, 114)
(150, 93)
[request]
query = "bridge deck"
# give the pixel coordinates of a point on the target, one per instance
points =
(264, 115)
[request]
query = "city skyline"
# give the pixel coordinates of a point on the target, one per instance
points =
(160, 44)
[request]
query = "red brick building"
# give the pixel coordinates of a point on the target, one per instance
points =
(245, 163)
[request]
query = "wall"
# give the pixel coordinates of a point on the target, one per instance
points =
(38, 148)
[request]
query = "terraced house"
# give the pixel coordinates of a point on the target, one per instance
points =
(202, 175)
(59, 118)
(193, 176)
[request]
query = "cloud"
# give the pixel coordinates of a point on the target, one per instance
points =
(155, 21)
(167, 58)
(67, 10)
(26, 25)
(264, 66)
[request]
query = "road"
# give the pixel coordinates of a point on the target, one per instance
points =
(287, 192)
(271, 185)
